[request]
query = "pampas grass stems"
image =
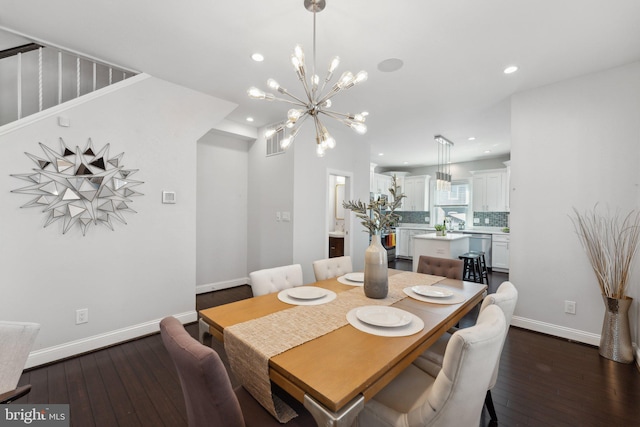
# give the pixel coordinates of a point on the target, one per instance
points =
(611, 245)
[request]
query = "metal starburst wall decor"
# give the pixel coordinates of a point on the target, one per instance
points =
(81, 187)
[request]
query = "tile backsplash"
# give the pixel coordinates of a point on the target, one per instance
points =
(413, 217)
(496, 219)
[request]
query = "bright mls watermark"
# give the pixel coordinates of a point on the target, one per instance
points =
(34, 415)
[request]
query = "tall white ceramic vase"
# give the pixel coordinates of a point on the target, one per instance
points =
(376, 270)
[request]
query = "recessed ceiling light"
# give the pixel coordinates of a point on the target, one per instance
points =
(406, 163)
(380, 154)
(472, 138)
(510, 69)
(487, 151)
(258, 57)
(250, 119)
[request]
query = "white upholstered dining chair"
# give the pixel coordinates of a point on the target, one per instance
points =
(332, 267)
(275, 279)
(506, 298)
(16, 340)
(455, 396)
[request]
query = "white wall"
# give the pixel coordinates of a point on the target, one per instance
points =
(297, 182)
(221, 223)
(128, 278)
(574, 144)
(351, 156)
(270, 242)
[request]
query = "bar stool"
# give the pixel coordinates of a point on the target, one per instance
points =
(475, 267)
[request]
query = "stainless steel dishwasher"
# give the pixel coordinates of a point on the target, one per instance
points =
(481, 243)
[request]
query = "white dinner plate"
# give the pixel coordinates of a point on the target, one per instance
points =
(384, 316)
(355, 277)
(306, 292)
(431, 291)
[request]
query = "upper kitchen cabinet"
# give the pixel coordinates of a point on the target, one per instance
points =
(489, 190)
(416, 188)
(381, 184)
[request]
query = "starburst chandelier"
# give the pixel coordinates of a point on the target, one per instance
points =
(318, 101)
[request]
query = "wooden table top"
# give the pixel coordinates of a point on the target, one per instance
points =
(339, 366)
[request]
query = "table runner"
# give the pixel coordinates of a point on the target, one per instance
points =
(250, 345)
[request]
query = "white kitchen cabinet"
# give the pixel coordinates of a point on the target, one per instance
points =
(404, 240)
(416, 188)
(382, 183)
(500, 252)
(489, 191)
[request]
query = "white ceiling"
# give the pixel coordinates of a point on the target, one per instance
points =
(453, 51)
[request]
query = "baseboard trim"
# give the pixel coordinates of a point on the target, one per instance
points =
(555, 330)
(73, 348)
(218, 286)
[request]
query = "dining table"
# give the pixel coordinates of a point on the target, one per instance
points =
(320, 353)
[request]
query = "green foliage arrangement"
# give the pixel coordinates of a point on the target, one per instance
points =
(378, 215)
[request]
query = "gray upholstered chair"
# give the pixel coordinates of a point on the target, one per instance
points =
(455, 396)
(16, 340)
(506, 297)
(209, 397)
(275, 279)
(332, 267)
(450, 268)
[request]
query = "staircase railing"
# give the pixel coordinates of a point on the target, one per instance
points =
(34, 77)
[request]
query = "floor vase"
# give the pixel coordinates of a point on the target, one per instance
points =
(615, 341)
(376, 274)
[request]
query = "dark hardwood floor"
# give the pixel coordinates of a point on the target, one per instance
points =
(544, 381)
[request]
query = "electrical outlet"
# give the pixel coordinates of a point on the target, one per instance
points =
(82, 316)
(476, 220)
(570, 307)
(486, 220)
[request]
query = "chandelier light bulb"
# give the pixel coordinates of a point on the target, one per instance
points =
(361, 77)
(273, 84)
(299, 53)
(345, 79)
(360, 128)
(256, 93)
(286, 142)
(319, 150)
(269, 133)
(294, 114)
(331, 143)
(334, 64)
(359, 118)
(326, 104)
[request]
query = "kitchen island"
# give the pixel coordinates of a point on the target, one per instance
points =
(448, 246)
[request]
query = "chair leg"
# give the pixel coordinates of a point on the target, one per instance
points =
(488, 402)
(203, 330)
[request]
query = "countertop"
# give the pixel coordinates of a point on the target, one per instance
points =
(449, 236)
(468, 230)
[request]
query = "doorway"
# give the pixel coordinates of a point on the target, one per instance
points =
(338, 219)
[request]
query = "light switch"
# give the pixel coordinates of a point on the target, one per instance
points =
(64, 121)
(169, 197)
(286, 216)
(476, 220)
(486, 220)
(278, 216)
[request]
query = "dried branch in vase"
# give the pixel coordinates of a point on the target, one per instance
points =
(379, 215)
(611, 243)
